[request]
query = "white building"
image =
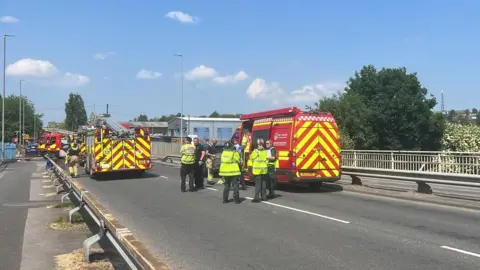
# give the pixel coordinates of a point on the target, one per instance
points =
(204, 128)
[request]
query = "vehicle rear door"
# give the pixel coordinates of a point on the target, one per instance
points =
(129, 154)
(329, 149)
(307, 147)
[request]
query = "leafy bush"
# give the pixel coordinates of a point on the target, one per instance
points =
(346, 142)
(461, 137)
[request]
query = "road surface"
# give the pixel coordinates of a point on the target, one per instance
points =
(297, 230)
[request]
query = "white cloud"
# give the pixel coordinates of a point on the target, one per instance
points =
(103, 56)
(71, 80)
(148, 74)
(9, 19)
(31, 67)
(260, 89)
(315, 92)
(45, 73)
(229, 79)
(182, 17)
(201, 72)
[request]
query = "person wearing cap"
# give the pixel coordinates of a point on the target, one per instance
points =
(272, 160)
(187, 153)
(230, 171)
(258, 159)
(238, 148)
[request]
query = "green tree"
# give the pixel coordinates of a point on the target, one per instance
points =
(452, 116)
(75, 112)
(214, 114)
(33, 120)
(386, 109)
(142, 118)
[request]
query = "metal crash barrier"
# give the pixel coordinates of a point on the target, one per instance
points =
(135, 254)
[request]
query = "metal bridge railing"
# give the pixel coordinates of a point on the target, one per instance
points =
(461, 163)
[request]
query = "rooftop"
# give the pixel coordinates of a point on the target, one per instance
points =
(208, 119)
(147, 124)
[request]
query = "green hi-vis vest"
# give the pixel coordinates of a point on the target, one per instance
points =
(229, 166)
(259, 162)
(188, 153)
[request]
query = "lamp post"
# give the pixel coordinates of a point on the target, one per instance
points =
(3, 95)
(181, 112)
(20, 115)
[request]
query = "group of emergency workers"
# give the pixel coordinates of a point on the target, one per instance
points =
(260, 162)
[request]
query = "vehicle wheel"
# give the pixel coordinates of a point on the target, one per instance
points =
(316, 186)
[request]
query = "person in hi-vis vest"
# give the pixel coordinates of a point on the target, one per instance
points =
(230, 171)
(258, 159)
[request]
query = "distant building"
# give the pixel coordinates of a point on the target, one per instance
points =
(54, 124)
(204, 128)
(153, 127)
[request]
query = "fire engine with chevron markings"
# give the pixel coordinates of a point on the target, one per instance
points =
(307, 144)
(110, 147)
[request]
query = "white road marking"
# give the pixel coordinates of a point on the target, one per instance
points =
(214, 189)
(303, 211)
(462, 251)
(163, 177)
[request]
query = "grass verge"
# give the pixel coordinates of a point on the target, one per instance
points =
(68, 205)
(61, 223)
(101, 260)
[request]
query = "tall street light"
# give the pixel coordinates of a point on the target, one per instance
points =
(3, 95)
(181, 113)
(23, 118)
(20, 113)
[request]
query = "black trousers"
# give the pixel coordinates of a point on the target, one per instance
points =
(198, 175)
(187, 170)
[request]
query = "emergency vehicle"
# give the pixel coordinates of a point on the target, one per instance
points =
(42, 141)
(307, 144)
(110, 147)
(55, 144)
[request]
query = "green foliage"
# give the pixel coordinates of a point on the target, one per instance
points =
(75, 112)
(32, 119)
(141, 118)
(345, 141)
(387, 110)
(461, 137)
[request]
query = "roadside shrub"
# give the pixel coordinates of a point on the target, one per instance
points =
(461, 138)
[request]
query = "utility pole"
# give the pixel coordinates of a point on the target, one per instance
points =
(181, 113)
(3, 95)
(20, 114)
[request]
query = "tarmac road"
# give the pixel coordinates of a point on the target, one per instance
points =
(297, 230)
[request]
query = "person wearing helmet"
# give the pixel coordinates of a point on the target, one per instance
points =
(230, 171)
(72, 159)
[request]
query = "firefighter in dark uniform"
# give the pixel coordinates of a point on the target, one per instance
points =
(272, 159)
(72, 157)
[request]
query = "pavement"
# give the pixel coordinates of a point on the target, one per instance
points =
(298, 229)
(27, 242)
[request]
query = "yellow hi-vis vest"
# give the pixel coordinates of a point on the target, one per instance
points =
(230, 163)
(188, 153)
(259, 162)
(246, 144)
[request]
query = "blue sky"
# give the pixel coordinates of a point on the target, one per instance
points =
(255, 54)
